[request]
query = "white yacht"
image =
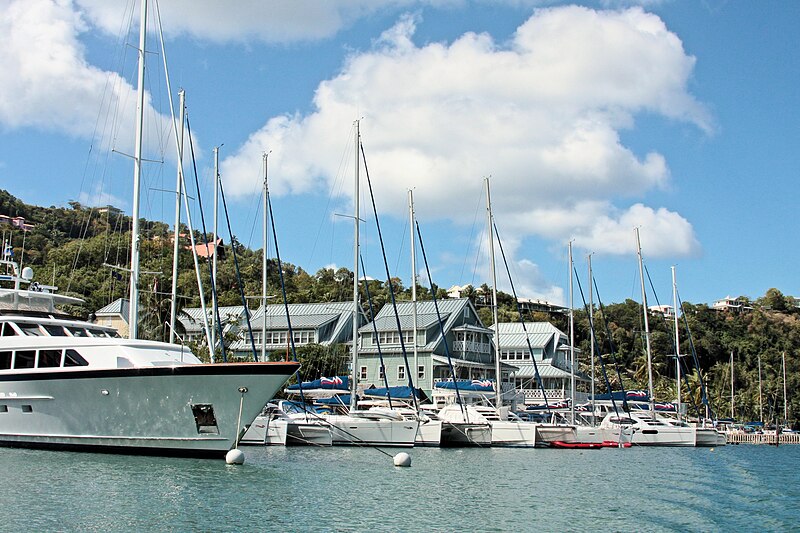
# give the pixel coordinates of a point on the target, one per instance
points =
(647, 430)
(68, 384)
(372, 427)
(288, 424)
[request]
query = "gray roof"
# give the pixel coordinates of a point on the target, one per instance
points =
(120, 306)
(389, 322)
(546, 370)
(192, 317)
(540, 334)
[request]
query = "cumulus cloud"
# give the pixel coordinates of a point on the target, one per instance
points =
(542, 114)
(47, 83)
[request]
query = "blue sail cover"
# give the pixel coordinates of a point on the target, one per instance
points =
(337, 383)
(402, 392)
(338, 399)
(631, 395)
(475, 385)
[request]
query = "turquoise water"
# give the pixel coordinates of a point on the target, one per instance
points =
(354, 489)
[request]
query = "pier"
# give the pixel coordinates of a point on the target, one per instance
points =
(763, 438)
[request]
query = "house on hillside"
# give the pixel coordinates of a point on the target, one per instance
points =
(732, 305)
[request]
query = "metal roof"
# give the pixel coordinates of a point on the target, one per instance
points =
(389, 322)
(120, 306)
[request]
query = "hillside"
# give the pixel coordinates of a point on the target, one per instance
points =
(68, 247)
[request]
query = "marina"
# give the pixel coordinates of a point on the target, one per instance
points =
(303, 489)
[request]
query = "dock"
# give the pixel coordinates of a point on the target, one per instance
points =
(763, 438)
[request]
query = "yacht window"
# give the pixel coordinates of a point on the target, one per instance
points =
(97, 333)
(49, 358)
(55, 331)
(73, 358)
(114, 335)
(24, 359)
(8, 329)
(5, 360)
(3, 408)
(78, 332)
(32, 330)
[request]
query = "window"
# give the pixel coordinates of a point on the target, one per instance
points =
(382, 372)
(49, 358)
(8, 329)
(3, 408)
(32, 330)
(54, 331)
(77, 332)
(401, 372)
(73, 358)
(363, 373)
(421, 372)
(24, 359)
(97, 333)
(5, 360)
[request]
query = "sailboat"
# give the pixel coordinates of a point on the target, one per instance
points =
(69, 384)
(649, 428)
(354, 426)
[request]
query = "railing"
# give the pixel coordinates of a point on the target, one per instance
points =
(762, 438)
(471, 346)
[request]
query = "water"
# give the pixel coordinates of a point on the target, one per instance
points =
(353, 489)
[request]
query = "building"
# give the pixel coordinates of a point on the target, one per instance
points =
(731, 304)
(550, 348)
(203, 250)
(115, 315)
(665, 311)
(460, 333)
(191, 318)
(312, 323)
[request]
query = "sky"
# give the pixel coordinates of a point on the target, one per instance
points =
(588, 119)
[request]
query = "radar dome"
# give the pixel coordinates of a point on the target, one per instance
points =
(27, 273)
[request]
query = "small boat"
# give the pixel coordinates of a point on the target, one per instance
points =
(288, 424)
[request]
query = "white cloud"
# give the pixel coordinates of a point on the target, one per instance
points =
(46, 82)
(542, 115)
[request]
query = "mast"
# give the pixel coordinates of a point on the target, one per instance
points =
(677, 339)
(214, 259)
(497, 369)
(356, 251)
(173, 311)
(414, 282)
(264, 266)
(571, 342)
(760, 402)
(133, 312)
(591, 332)
(646, 327)
(785, 401)
(732, 416)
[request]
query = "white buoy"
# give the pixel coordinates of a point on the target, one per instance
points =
(234, 457)
(402, 459)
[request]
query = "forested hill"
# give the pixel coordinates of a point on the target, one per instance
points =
(68, 247)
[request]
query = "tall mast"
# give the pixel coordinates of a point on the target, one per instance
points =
(732, 415)
(760, 402)
(356, 251)
(497, 369)
(571, 341)
(677, 339)
(646, 327)
(264, 266)
(785, 401)
(214, 259)
(414, 282)
(591, 329)
(133, 312)
(173, 311)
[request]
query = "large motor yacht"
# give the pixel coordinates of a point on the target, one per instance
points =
(66, 383)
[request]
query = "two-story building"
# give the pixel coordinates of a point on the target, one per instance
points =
(312, 323)
(461, 333)
(550, 348)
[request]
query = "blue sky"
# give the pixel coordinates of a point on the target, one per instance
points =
(680, 118)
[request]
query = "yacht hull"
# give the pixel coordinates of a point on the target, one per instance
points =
(465, 434)
(548, 433)
(513, 434)
(357, 431)
(429, 433)
(183, 410)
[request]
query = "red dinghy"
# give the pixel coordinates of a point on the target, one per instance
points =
(615, 444)
(576, 445)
